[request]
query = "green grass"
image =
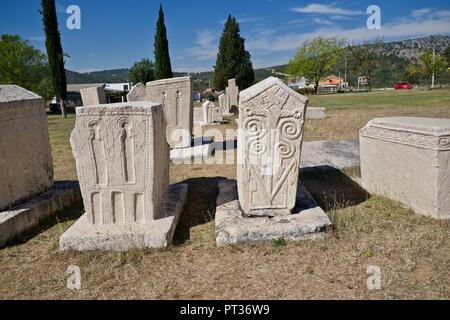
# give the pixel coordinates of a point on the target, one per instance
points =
(383, 99)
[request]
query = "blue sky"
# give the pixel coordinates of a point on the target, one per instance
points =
(114, 33)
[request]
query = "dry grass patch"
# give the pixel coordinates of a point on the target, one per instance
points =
(413, 252)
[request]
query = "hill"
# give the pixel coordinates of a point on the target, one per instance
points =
(398, 53)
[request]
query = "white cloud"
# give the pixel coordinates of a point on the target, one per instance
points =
(394, 30)
(37, 39)
(206, 45)
(420, 12)
(323, 21)
(326, 9)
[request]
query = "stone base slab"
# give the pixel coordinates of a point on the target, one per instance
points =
(309, 221)
(83, 236)
(341, 155)
(202, 147)
(316, 113)
(26, 216)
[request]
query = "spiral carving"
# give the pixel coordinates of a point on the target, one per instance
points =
(290, 129)
(285, 150)
(254, 127)
(256, 147)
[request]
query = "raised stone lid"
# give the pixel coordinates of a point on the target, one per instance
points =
(424, 125)
(168, 81)
(123, 107)
(10, 93)
(266, 84)
(430, 133)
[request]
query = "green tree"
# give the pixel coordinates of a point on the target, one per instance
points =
(163, 68)
(142, 71)
(433, 65)
(366, 57)
(413, 73)
(315, 59)
(233, 61)
(23, 65)
(54, 52)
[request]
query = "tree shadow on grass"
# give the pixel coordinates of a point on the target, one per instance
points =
(200, 207)
(331, 188)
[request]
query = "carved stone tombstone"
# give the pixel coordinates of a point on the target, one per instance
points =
(176, 97)
(271, 124)
(223, 104)
(122, 159)
(232, 95)
(93, 96)
(211, 113)
(26, 166)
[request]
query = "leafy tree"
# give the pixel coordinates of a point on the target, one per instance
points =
(142, 71)
(54, 52)
(413, 73)
(315, 59)
(163, 68)
(447, 55)
(233, 61)
(23, 65)
(430, 65)
(366, 57)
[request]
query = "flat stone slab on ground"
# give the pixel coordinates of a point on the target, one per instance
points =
(316, 113)
(309, 221)
(337, 154)
(26, 216)
(83, 236)
(202, 147)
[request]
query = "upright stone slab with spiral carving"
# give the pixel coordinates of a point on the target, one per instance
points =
(122, 159)
(271, 124)
(408, 159)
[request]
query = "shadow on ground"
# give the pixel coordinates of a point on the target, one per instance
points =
(331, 188)
(67, 214)
(200, 206)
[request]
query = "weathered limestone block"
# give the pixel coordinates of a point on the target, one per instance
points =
(176, 96)
(408, 160)
(223, 103)
(211, 113)
(232, 95)
(271, 124)
(93, 96)
(26, 166)
(122, 159)
(137, 93)
(316, 113)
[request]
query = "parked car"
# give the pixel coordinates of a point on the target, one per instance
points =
(402, 86)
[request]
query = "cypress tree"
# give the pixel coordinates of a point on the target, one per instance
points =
(233, 61)
(54, 52)
(163, 68)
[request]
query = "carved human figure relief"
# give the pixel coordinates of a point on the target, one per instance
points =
(271, 127)
(122, 158)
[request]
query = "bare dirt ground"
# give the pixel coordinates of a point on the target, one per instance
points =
(413, 252)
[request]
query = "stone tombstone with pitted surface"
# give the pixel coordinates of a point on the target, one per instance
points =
(223, 104)
(232, 95)
(93, 96)
(176, 97)
(211, 113)
(408, 159)
(26, 166)
(271, 125)
(122, 160)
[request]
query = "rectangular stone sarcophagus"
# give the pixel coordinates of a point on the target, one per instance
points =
(122, 162)
(408, 159)
(26, 166)
(271, 124)
(176, 97)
